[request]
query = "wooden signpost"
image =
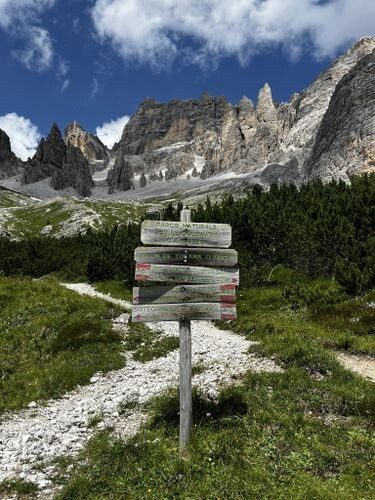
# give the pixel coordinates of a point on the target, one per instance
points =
(182, 256)
(184, 274)
(193, 256)
(186, 233)
(184, 294)
(173, 312)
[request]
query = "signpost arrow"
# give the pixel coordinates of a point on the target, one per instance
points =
(184, 294)
(185, 274)
(220, 257)
(174, 312)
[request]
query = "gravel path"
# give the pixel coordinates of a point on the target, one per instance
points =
(86, 289)
(38, 434)
(361, 365)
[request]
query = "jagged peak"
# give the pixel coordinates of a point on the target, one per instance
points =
(55, 131)
(365, 40)
(149, 102)
(245, 102)
(265, 92)
(265, 101)
(74, 126)
(5, 145)
(4, 137)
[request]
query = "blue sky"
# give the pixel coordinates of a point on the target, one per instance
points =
(94, 61)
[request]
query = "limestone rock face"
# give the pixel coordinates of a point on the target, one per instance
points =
(74, 173)
(9, 164)
(301, 117)
(240, 139)
(49, 155)
(325, 131)
(65, 164)
(91, 146)
(120, 177)
(169, 136)
(262, 142)
(345, 143)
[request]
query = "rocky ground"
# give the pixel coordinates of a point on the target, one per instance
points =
(30, 440)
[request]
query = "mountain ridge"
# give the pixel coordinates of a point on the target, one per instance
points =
(164, 144)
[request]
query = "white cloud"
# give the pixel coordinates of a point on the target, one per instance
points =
(20, 19)
(65, 85)
(155, 32)
(23, 134)
(110, 132)
(94, 88)
(21, 11)
(38, 53)
(62, 68)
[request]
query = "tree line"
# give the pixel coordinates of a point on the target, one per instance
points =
(317, 229)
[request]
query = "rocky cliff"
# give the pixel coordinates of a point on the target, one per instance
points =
(91, 146)
(9, 163)
(345, 143)
(209, 136)
(63, 163)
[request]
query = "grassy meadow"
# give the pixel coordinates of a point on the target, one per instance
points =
(52, 340)
(307, 433)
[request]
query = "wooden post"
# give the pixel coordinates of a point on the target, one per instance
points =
(186, 400)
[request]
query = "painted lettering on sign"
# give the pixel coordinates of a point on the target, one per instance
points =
(185, 274)
(174, 312)
(190, 234)
(184, 294)
(196, 256)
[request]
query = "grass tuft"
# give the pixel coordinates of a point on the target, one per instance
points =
(23, 489)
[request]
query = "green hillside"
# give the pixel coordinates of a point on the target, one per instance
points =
(24, 217)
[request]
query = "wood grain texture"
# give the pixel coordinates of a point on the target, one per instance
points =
(186, 394)
(184, 294)
(220, 257)
(175, 312)
(186, 234)
(185, 274)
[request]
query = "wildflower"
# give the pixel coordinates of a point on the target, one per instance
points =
(208, 414)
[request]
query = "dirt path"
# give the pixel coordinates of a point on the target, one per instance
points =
(41, 433)
(362, 365)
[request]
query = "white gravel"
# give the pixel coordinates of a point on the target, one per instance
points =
(40, 433)
(86, 289)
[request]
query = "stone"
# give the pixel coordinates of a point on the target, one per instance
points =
(46, 230)
(122, 319)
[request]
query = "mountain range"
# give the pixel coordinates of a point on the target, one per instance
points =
(201, 145)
